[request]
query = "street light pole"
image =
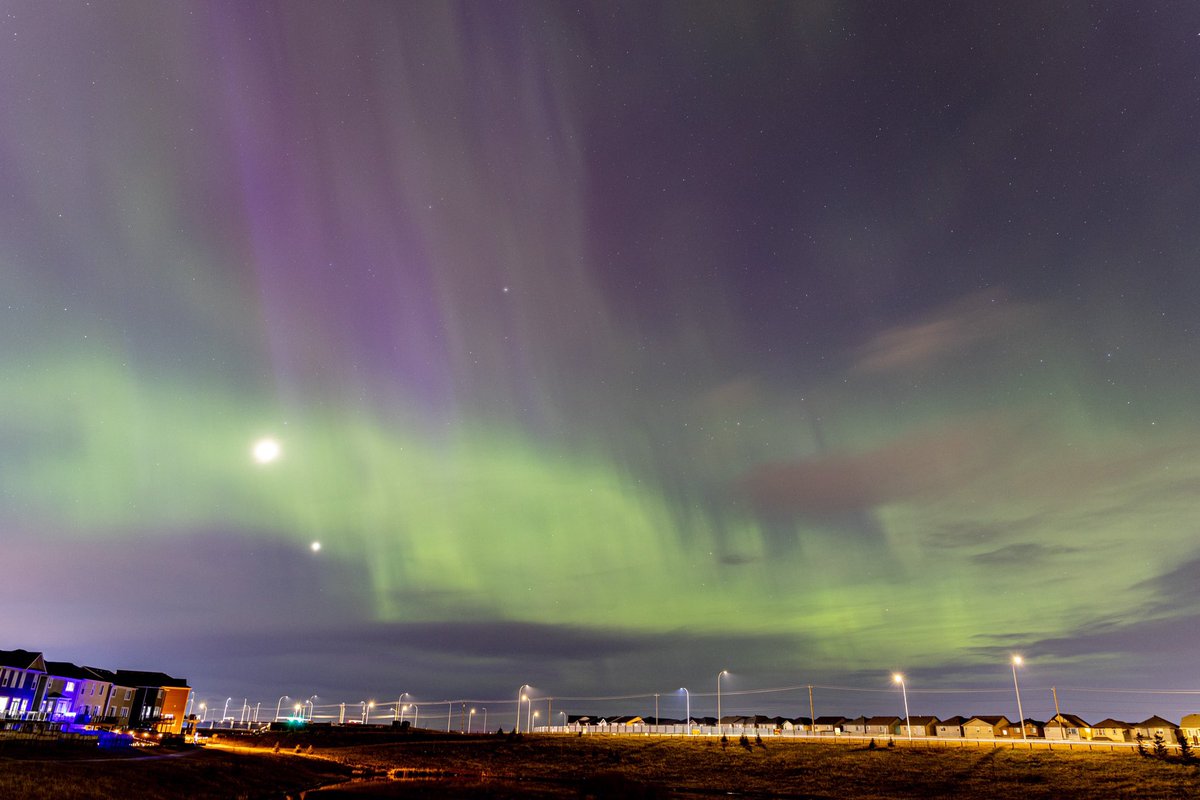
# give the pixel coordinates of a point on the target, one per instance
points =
(688, 712)
(279, 705)
(1016, 662)
(312, 707)
(719, 674)
(898, 678)
(520, 697)
(470, 719)
(485, 727)
(225, 711)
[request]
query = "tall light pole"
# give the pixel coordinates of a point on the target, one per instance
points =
(535, 716)
(528, 715)
(485, 727)
(1016, 662)
(367, 705)
(204, 712)
(449, 712)
(403, 708)
(279, 705)
(688, 712)
(398, 714)
(470, 719)
(520, 697)
(719, 674)
(898, 678)
(657, 722)
(312, 707)
(225, 711)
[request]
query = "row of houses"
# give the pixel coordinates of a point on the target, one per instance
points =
(34, 691)
(1061, 727)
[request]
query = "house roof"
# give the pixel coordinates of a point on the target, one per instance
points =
(22, 659)
(133, 677)
(829, 720)
(883, 720)
(1112, 723)
(65, 669)
(953, 721)
(1155, 722)
(922, 720)
(1065, 720)
(1190, 721)
(989, 720)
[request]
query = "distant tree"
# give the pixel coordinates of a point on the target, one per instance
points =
(1141, 745)
(744, 741)
(1186, 754)
(758, 739)
(891, 742)
(1160, 745)
(724, 741)
(871, 745)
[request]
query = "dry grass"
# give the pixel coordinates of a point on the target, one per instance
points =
(653, 767)
(134, 776)
(603, 766)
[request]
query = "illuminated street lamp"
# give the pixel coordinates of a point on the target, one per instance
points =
(367, 705)
(204, 712)
(225, 711)
(312, 707)
(898, 678)
(520, 698)
(398, 714)
(535, 716)
(485, 728)
(688, 713)
(1016, 662)
(280, 705)
(470, 719)
(719, 674)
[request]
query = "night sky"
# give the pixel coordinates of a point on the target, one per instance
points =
(606, 346)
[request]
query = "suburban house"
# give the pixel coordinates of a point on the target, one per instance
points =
(1067, 727)
(883, 726)
(987, 727)
(1033, 729)
(1189, 726)
(159, 701)
(120, 698)
(1156, 725)
(856, 726)
(22, 683)
(797, 724)
(951, 728)
(921, 726)
(63, 682)
(829, 724)
(1112, 730)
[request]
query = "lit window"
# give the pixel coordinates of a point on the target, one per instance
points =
(70, 686)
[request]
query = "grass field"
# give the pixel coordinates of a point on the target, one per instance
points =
(596, 766)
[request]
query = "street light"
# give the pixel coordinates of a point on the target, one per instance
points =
(398, 713)
(528, 715)
(312, 707)
(225, 711)
(520, 697)
(719, 674)
(898, 678)
(688, 713)
(204, 712)
(470, 719)
(403, 708)
(1016, 662)
(485, 727)
(367, 705)
(535, 716)
(280, 705)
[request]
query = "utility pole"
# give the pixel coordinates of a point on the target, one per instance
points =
(1054, 691)
(811, 716)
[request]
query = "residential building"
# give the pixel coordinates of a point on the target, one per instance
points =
(829, 724)
(1112, 730)
(883, 726)
(22, 684)
(921, 726)
(1189, 726)
(987, 727)
(1156, 725)
(950, 728)
(159, 701)
(1067, 727)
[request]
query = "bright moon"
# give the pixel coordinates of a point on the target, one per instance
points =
(316, 547)
(266, 450)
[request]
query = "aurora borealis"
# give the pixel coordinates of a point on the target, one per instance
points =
(607, 345)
